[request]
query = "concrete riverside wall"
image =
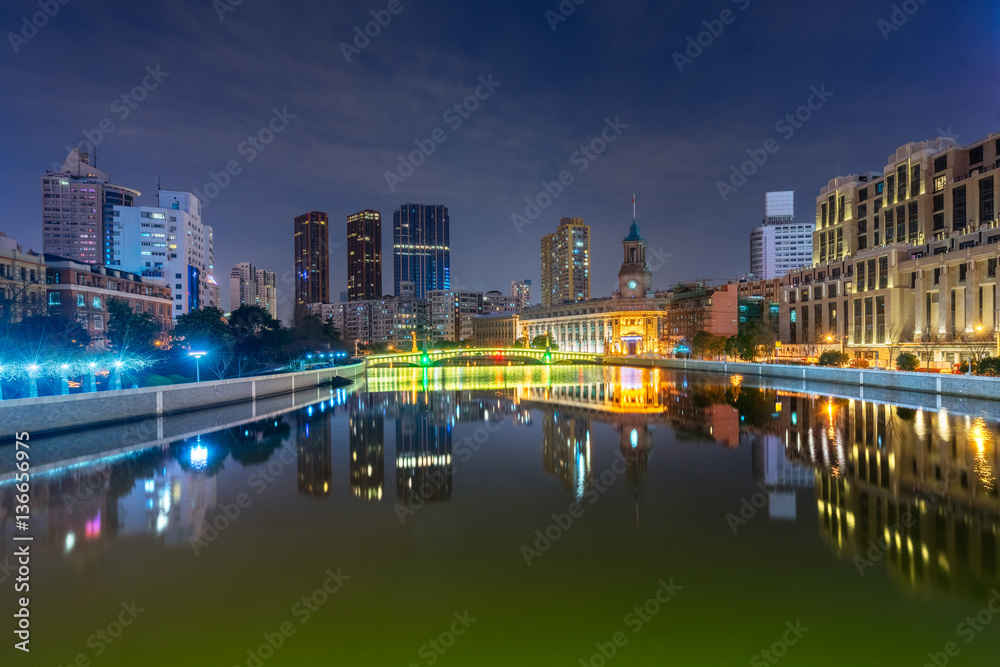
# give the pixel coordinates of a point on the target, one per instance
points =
(51, 414)
(927, 383)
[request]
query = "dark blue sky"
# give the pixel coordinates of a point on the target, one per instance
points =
(606, 60)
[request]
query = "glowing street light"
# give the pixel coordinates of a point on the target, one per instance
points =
(197, 363)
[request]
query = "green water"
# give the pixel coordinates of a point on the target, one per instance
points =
(871, 528)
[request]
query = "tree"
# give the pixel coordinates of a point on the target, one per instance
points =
(755, 341)
(989, 366)
(978, 344)
(928, 346)
(834, 358)
(896, 336)
(907, 361)
(521, 342)
(544, 341)
(203, 329)
(260, 337)
(128, 329)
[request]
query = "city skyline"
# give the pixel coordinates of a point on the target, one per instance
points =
(327, 158)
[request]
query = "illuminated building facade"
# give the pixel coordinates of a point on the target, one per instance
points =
(628, 324)
(904, 259)
(364, 256)
(312, 260)
(366, 430)
(566, 263)
(421, 248)
(77, 205)
(81, 292)
(168, 242)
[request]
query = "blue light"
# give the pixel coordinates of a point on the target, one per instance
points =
(635, 439)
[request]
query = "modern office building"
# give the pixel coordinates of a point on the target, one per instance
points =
(312, 260)
(566, 263)
(451, 314)
(521, 291)
(421, 248)
(364, 256)
(77, 209)
(250, 286)
(81, 292)
(780, 244)
(170, 243)
(905, 259)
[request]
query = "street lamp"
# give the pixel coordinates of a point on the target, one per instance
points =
(197, 363)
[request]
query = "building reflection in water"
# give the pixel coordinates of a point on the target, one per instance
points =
(314, 451)
(914, 488)
(366, 429)
(423, 451)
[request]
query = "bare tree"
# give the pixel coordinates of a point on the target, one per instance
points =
(896, 335)
(222, 361)
(978, 344)
(928, 346)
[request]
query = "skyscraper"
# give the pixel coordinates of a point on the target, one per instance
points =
(566, 263)
(364, 256)
(421, 251)
(250, 286)
(312, 260)
(77, 208)
(780, 244)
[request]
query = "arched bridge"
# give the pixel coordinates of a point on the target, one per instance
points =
(480, 356)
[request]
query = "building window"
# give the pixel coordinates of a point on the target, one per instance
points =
(54, 299)
(976, 155)
(97, 302)
(958, 208)
(81, 301)
(941, 163)
(940, 183)
(986, 208)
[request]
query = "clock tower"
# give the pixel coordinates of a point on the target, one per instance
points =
(635, 280)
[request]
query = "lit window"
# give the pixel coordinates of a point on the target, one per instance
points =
(97, 302)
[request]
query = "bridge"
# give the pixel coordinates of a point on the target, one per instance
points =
(493, 356)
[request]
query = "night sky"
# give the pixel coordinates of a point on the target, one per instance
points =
(935, 73)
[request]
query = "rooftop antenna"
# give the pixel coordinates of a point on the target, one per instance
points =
(633, 206)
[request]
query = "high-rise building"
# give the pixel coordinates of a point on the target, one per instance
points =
(566, 263)
(250, 286)
(168, 242)
(77, 210)
(521, 291)
(421, 251)
(364, 256)
(267, 291)
(780, 244)
(312, 260)
(242, 286)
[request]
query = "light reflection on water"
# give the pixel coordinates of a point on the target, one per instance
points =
(861, 466)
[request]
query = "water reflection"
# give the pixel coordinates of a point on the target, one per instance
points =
(865, 467)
